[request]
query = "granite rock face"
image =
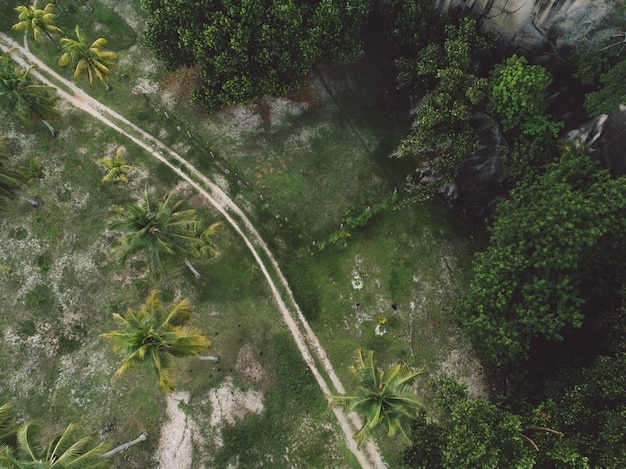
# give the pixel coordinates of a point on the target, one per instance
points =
(542, 26)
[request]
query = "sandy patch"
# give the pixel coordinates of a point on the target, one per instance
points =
(175, 447)
(248, 363)
(229, 404)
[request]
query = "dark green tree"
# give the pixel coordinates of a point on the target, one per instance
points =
(247, 49)
(611, 92)
(463, 432)
(528, 284)
(443, 77)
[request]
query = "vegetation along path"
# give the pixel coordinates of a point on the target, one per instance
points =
(306, 340)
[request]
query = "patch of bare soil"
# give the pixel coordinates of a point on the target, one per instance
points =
(175, 445)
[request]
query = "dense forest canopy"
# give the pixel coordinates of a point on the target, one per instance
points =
(247, 49)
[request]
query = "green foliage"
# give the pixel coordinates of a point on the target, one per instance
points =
(443, 75)
(116, 167)
(305, 290)
(358, 221)
(152, 337)
(22, 96)
(517, 97)
(70, 450)
(412, 24)
(383, 397)
(36, 20)
(248, 49)
(466, 433)
(611, 93)
(162, 229)
(527, 284)
(88, 57)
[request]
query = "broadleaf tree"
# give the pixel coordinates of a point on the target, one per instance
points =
(247, 49)
(528, 284)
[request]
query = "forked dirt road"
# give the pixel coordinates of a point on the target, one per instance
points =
(313, 353)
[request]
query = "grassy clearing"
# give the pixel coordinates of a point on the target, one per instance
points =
(298, 166)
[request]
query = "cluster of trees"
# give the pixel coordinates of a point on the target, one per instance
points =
(247, 49)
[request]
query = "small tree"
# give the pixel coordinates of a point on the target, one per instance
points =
(151, 337)
(382, 397)
(116, 167)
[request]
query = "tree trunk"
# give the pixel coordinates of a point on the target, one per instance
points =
(23, 196)
(213, 358)
(52, 130)
(192, 268)
(50, 37)
(125, 446)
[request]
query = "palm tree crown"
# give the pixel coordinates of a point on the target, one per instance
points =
(152, 337)
(382, 397)
(68, 451)
(164, 228)
(86, 57)
(22, 96)
(38, 21)
(116, 167)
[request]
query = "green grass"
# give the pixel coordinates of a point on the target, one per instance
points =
(299, 168)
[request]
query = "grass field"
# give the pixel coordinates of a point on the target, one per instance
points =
(298, 166)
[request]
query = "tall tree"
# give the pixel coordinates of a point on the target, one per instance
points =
(248, 49)
(22, 96)
(547, 240)
(9, 180)
(116, 167)
(382, 397)
(443, 76)
(38, 21)
(70, 450)
(162, 229)
(152, 336)
(87, 57)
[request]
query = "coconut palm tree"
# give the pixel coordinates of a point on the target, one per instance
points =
(382, 397)
(116, 167)
(10, 180)
(86, 57)
(162, 229)
(22, 96)
(37, 21)
(68, 451)
(152, 337)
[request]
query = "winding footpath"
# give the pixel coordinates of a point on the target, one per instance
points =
(312, 351)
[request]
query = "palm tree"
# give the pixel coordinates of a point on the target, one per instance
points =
(22, 96)
(68, 451)
(152, 337)
(116, 167)
(382, 397)
(162, 229)
(10, 180)
(87, 57)
(38, 21)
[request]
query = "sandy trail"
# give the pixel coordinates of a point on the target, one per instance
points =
(307, 342)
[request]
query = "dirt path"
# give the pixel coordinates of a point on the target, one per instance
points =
(308, 344)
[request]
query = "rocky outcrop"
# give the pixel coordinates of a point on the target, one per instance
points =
(542, 25)
(605, 137)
